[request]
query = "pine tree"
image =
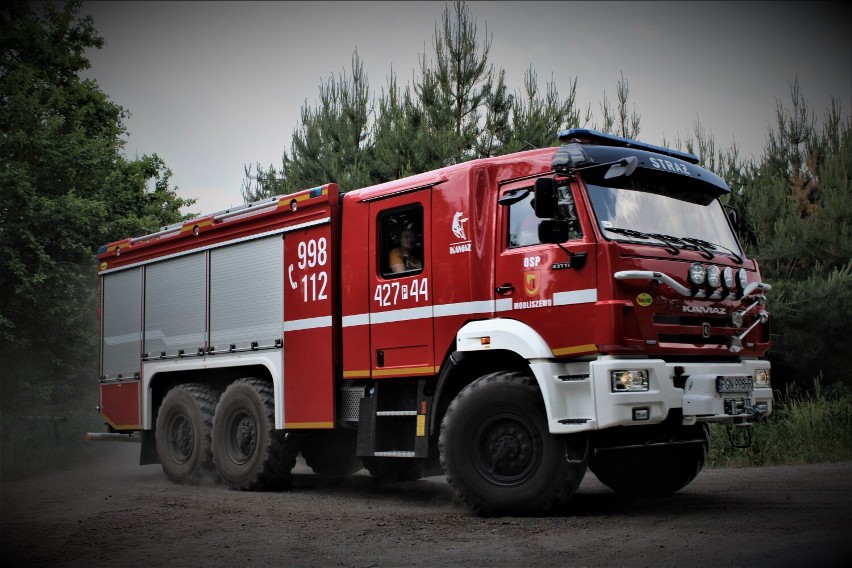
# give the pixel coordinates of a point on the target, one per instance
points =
(536, 119)
(331, 144)
(395, 153)
(797, 215)
(456, 91)
(458, 108)
(620, 121)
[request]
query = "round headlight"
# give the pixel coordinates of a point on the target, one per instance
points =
(697, 274)
(714, 276)
(742, 278)
(728, 277)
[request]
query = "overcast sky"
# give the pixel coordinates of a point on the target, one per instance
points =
(212, 86)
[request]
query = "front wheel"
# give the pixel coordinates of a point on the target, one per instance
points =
(650, 460)
(249, 453)
(498, 454)
(184, 422)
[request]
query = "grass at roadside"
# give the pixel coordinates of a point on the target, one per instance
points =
(804, 428)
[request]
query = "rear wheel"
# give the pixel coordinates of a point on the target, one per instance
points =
(498, 454)
(331, 452)
(660, 460)
(249, 453)
(184, 423)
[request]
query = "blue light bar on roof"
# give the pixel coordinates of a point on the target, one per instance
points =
(316, 191)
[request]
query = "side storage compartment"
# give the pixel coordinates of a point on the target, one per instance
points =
(247, 295)
(175, 307)
(121, 349)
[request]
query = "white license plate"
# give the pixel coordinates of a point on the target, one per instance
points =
(734, 384)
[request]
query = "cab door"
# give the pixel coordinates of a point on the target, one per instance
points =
(551, 288)
(400, 273)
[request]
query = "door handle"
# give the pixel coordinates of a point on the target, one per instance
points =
(505, 289)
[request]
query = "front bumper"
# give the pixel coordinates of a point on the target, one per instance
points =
(579, 396)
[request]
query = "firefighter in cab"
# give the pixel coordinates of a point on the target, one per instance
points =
(404, 257)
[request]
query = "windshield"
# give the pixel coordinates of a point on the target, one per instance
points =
(664, 218)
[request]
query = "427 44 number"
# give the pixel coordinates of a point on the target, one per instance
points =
(392, 293)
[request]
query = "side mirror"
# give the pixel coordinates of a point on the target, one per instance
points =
(545, 198)
(733, 217)
(554, 231)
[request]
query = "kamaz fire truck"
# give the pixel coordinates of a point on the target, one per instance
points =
(580, 306)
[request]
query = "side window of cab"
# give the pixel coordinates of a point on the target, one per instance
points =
(523, 223)
(401, 238)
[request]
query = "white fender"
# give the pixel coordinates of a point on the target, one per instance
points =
(505, 334)
(561, 399)
(270, 359)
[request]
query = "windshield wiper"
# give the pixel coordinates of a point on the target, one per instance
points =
(705, 248)
(667, 240)
(672, 243)
(699, 247)
(707, 245)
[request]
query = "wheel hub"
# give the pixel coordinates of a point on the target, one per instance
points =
(243, 439)
(246, 435)
(507, 452)
(182, 439)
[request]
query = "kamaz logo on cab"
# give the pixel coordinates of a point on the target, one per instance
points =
(669, 166)
(704, 310)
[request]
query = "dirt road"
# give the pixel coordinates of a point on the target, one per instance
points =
(116, 513)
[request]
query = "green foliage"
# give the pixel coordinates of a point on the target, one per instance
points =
(50, 438)
(796, 206)
(795, 218)
(65, 189)
(330, 145)
(458, 108)
(536, 118)
(455, 89)
(395, 152)
(331, 142)
(806, 427)
(620, 120)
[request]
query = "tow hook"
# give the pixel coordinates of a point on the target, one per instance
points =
(755, 411)
(739, 435)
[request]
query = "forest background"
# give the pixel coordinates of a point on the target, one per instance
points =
(66, 188)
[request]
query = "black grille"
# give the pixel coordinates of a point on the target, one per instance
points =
(692, 338)
(697, 321)
(693, 329)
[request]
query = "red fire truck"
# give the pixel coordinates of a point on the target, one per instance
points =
(580, 306)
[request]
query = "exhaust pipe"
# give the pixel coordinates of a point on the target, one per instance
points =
(111, 437)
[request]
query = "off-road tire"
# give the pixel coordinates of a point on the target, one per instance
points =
(498, 454)
(184, 424)
(249, 453)
(652, 470)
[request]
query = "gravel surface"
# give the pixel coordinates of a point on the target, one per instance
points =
(111, 512)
